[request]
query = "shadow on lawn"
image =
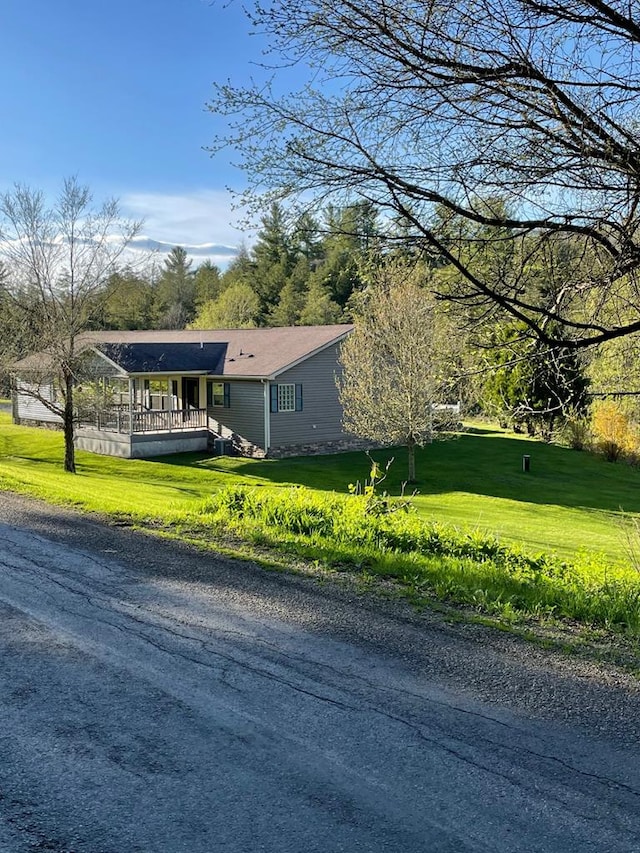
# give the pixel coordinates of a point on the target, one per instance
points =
(481, 462)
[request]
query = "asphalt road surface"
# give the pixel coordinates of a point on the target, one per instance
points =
(154, 698)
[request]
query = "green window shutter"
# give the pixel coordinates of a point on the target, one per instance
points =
(227, 395)
(298, 398)
(209, 395)
(274, 398)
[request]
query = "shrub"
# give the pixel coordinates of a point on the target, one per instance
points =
(575, 431)
(615, 436)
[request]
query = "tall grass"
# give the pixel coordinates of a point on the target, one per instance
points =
(467, 567)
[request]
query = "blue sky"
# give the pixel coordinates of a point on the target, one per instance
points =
(115, 93)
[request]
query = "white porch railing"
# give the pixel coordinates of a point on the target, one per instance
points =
(148, 420)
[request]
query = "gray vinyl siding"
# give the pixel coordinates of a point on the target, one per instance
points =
(28, 407)
(321, 417)
(96, 365)
(245, 415)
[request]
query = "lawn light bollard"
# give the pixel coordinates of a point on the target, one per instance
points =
(526, 464)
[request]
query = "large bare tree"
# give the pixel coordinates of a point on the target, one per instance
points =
(475, 121)
(57, 258)
(396, 364)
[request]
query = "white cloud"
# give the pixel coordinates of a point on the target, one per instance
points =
(155, 249)
(202, 222)
(204, 216)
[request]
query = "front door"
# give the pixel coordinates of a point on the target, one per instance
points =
(190, 393)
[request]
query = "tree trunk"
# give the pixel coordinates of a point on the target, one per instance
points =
(411, 455)
(68, 425)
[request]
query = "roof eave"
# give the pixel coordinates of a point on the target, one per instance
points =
(138, 374)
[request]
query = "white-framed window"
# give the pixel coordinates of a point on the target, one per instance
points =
(54, 388)
(287, 398)
(218, 394)
(158, 393)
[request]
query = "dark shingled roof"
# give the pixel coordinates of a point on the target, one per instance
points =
(167, 357)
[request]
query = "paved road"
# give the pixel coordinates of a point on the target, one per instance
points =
(156, 699)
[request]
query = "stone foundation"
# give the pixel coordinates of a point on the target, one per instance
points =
(323, 448)
(31, 422)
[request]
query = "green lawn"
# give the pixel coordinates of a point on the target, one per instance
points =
(568, 502)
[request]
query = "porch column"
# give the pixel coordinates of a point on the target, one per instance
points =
(202, 396)
(131, 403)
(170, 401)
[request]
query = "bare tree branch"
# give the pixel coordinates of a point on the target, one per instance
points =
(449, 104)
(56, 261)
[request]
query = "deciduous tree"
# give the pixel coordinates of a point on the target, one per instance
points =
(395, 364)
(423, 107)
(236, 308)
(57, 258)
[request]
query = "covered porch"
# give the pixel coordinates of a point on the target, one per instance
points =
(137, 417)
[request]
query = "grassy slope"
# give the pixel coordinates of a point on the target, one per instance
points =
(569, 501)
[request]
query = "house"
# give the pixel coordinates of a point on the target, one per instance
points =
(259, 392)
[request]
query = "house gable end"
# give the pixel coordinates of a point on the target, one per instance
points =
(311, 354)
